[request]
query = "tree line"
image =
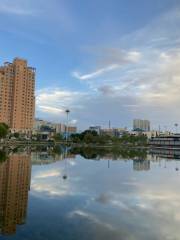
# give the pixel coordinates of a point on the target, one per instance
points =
(92, 137)
(4, 129)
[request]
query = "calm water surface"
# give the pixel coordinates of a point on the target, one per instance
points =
(67, 196)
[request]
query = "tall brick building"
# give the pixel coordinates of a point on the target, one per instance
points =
(17, 100)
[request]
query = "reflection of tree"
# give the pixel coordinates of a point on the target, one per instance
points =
(3, 156)
(57, 150)
(110, 153)
(14, 186)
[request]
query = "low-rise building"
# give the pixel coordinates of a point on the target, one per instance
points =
(47, 129)
(114, 132)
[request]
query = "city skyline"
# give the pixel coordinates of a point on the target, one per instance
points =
(103, 61)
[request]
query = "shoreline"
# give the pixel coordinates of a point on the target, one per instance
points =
(31, 143)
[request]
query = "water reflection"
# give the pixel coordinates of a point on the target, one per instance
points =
(110, 153)
(111, 193)
(15, 172)
(141, 165)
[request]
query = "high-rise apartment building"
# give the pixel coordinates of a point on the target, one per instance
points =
(17, 100)
(142, 125)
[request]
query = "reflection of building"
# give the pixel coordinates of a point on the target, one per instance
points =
(166, 153)
(42, 158)
(17, 99)
(14, 185)
(141, 165)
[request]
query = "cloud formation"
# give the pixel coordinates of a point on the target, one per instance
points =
(96, 73)
(111, 59)
(139, 77)
(18, 7)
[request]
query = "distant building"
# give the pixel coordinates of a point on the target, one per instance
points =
(17, 100)
(95, 128)
(38, 123)
(141, 125)
(107, 131)
(114, 132)
(71, 129)
(47, 129)
(148, 134)
(60, 128)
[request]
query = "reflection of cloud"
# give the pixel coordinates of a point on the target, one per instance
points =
(47, 181)
(50, 173)
(90, 217)
(41, 188)
(118, 201)
(103, 198)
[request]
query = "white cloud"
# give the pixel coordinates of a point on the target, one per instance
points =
(137, 78)
(96, 73)
(111, 59)
(73, 122)
(134, 56)
(48, 109)
(51, 104)
(17, 7)
(56, 100)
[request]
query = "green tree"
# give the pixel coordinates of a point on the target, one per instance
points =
(58, 137)
(3, 130)
(16, 135)
(3, 156)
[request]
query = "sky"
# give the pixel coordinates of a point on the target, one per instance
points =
(104, 60)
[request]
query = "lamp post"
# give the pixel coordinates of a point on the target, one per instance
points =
(67, 132)
(65, 176)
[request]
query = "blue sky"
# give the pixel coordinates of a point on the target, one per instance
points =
(105, 60)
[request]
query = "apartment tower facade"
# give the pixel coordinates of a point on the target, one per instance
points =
(143, 125)
(17, 99)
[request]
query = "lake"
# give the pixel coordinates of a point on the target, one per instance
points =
(89, 194)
